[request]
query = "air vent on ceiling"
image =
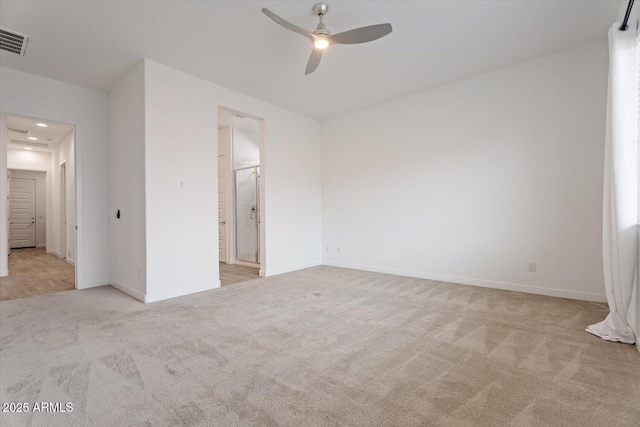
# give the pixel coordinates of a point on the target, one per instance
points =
(18, 131)
(13, 42)
(30, 144)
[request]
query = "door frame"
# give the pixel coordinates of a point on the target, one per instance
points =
(234, 178)
(63, 209)
(77, 160)
(227, 258)
(229, 203)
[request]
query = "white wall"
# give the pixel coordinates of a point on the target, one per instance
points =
(633, 18)
(63, 153)
(181, 185)
(246, 148)
(181, 147)
(127, 127)
(39, 97)
(40, 179)
(28, 160)
(469, 182)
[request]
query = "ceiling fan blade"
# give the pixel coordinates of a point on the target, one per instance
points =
(362, 35)
(314, 61)
(288, 25)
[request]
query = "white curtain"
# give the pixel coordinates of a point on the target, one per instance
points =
(620, 208)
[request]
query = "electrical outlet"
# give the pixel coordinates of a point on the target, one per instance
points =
(532, 267)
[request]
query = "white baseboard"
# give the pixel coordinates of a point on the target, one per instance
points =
(4, 273)
(55, 253)
(302, 266)
(583, 296)
(93, 284)
(262, 273)
(188, 290)
(41, 245)
(247, 264)
(70, 261)
(127, 290)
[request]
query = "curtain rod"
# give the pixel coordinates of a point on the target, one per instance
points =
(624, 26)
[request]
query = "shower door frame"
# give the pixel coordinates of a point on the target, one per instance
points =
(258, 216)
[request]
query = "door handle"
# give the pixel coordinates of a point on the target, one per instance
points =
(223, 223)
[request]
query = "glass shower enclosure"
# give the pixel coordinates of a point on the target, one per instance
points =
(247, 185)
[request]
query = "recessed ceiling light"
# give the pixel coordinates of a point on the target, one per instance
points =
(42, 125)
(27, 148)
(32, 138)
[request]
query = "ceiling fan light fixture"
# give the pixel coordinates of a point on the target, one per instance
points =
(321, 38)
(321, 43)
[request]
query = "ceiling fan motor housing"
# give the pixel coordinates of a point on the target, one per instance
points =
(320, 8)
(321, 30)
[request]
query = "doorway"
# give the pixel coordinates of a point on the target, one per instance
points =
(239, 201)
(41, 207)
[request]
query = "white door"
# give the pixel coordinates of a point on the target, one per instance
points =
(222, 212)
(22, 213)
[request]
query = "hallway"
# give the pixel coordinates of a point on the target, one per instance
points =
(35, 272)
(235, 273)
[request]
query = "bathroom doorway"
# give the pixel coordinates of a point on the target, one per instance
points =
(239, 201)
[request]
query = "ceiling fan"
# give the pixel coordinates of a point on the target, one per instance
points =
(322, 38)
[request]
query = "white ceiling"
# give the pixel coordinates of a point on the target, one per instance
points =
(52, 135)
(95, 43)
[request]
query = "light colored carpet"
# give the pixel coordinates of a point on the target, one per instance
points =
(319, 347)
